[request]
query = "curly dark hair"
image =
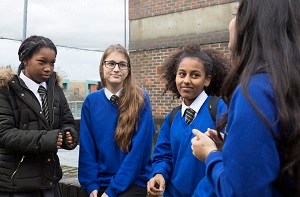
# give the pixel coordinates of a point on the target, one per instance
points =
(215, 64)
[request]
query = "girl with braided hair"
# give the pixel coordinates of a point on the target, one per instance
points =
(35, 122)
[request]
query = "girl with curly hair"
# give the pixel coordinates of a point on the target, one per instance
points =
(194, 75)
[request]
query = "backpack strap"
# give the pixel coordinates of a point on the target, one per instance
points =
(212, 107)
(173, 113)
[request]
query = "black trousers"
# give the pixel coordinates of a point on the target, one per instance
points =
(54, 192)
(133, 191)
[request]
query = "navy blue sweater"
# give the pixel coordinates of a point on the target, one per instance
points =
(101, 162)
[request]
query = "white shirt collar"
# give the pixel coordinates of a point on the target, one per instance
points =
(33, 86)
(108, 94)
(196, 105)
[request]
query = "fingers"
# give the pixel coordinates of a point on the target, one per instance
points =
(202, 145)
(153, 188)
(104, 195)
(213, 134)
(69, 138)
(94, 193)
(217, 137)
(156, 185)
(59, 140)
(198, 134)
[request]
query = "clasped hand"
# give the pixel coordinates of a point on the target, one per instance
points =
(156, 185)
(205, 143)
(68, 138)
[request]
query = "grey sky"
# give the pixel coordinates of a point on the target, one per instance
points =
(91, 24)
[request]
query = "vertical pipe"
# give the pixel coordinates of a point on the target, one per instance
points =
(25, 19)
(125, 24)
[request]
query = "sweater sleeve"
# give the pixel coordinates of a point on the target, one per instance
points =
(249, 161)
(88, 167)
(162, 155)
(139, 155)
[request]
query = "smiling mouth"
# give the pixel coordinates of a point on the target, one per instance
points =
(186, 88)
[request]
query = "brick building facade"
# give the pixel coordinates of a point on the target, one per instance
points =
(159, 27)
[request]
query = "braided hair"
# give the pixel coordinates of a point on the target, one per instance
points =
(32, 45)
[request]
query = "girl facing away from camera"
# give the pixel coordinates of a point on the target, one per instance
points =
(35, 121)
(194, 75)
(261, 152)
(116, 132)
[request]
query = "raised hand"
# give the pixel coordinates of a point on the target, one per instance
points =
(202, 145)
(213, 134)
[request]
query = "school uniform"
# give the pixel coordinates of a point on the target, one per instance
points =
(249, 162)
(29, 165)
(173, 156)
(102, 164)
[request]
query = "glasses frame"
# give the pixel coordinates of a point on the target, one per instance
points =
(115, 63)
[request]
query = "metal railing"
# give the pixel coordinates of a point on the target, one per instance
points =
(75, 107)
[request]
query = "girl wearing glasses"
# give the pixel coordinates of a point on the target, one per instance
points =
(116, 132)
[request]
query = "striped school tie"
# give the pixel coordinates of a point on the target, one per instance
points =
(114, 99)
(43, 94)
(189, 115)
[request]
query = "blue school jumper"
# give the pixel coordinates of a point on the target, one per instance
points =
(249, 162)
(173, 156)
(101, 162)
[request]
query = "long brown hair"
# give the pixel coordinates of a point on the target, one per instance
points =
(130, 103)
(268, 38)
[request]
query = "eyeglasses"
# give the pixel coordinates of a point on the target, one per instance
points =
(112, 65)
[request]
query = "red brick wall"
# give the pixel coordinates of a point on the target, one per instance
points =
(146, 66)
(147, 8)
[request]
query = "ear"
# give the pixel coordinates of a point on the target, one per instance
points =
(25, 63)
(207, 80)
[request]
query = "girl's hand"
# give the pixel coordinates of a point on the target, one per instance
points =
(94, 193)
(202, 145)
(213, 134)
(69, 138)
(156, 185)
(59, 140)
(104, 195)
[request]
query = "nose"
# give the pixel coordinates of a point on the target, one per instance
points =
(186, 79)
(48, 68)
(117, 67)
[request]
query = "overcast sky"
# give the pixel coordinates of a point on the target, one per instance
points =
(88, 24)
